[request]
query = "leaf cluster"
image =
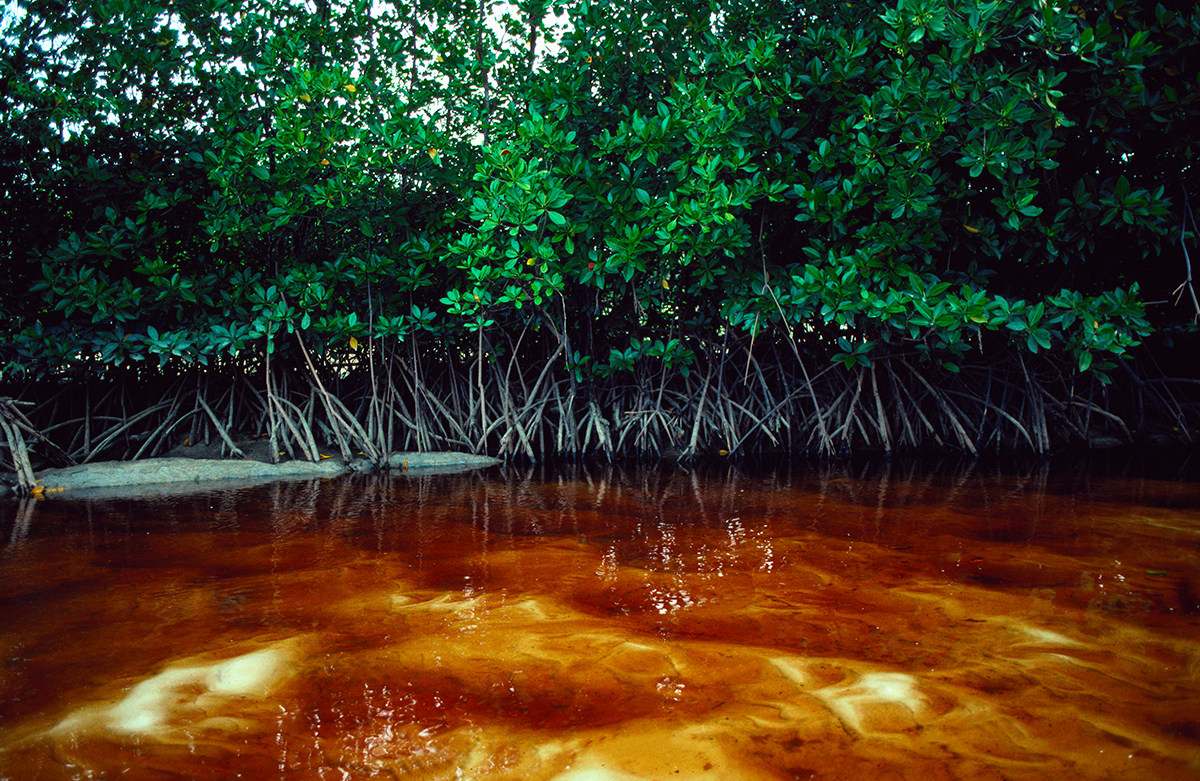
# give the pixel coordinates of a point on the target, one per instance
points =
(191, 183)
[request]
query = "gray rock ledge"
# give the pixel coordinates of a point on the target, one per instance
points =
(152, 471)
(413, 461)
(161, 476)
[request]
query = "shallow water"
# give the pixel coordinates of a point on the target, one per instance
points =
(606, 623)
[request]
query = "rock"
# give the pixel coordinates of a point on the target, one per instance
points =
(413, 460)
(137, 477)
(178, 475)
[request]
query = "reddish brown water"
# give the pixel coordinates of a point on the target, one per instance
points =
(608, 624)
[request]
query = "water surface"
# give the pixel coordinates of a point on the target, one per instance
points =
(609, 623)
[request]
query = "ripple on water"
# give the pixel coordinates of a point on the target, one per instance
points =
(835, 635)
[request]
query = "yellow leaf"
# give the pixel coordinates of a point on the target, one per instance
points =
(970, 229)
(304, 96)
(722, 452)
(322, 455)
(529, 262)
(351, 88)
(324, 161)
(665, 285)
(353, 343)
(433, 153)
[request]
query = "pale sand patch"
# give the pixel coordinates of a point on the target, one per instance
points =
(876, 702)
(1047, 636)
(191, 694)
(656, 752)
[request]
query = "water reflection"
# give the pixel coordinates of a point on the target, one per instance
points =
(609, 623)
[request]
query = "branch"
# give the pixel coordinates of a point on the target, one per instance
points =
(1187, 282)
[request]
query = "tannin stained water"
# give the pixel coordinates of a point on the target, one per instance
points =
(608, 623)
